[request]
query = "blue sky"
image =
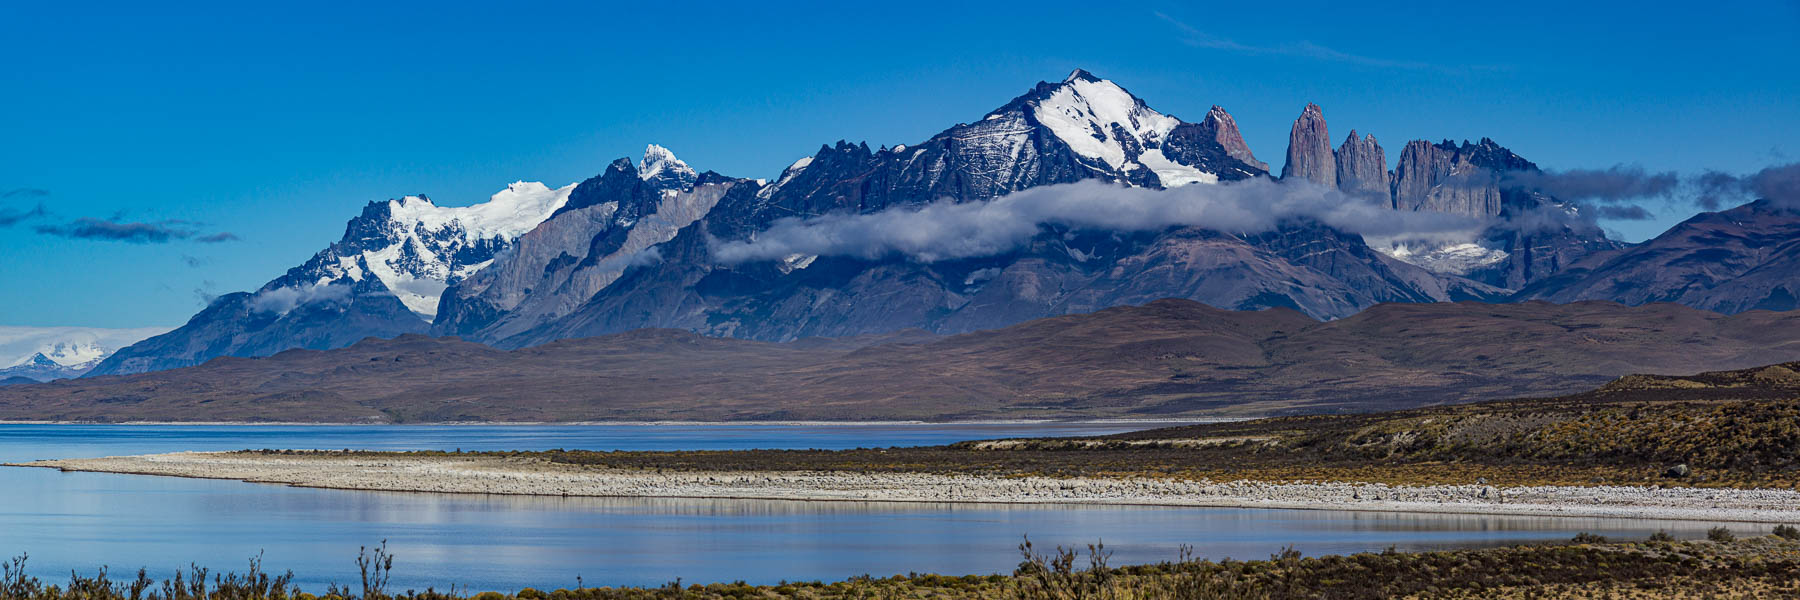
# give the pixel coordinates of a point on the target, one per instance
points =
(275, 124)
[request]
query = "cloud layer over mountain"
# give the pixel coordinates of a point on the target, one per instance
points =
(946, 231)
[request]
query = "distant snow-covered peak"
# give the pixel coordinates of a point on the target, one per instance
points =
(66, 346)
(70, 354)
(662, 170)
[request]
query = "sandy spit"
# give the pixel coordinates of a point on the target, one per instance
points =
(522, 476)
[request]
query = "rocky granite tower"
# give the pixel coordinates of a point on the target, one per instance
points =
(1309, 149)
(1447, 178)
(1362, 168)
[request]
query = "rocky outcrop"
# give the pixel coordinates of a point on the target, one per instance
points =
(1362, 168)
(1221, 129)
(1309, 149)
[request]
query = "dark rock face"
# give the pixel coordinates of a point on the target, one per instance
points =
(1309, 149)
(1362, 168)
(1745, 258)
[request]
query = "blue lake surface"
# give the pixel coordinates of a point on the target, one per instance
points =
(81, 521)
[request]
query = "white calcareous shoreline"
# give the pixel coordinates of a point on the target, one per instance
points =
(524, 476)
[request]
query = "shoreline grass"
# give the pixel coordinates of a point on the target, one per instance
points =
(1722, 566)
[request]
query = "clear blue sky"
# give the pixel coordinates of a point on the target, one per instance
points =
(277, 123)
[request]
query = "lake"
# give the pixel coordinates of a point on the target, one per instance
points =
(81, 521)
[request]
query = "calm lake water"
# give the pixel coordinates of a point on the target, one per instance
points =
(81, 521)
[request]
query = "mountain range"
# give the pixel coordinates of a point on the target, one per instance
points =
(1167, 359)
(654, 243)
(34, 354)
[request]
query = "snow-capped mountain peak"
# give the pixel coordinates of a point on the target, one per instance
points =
(417, 248)
(662, 170)
(1080, 74)
(509, 213)
(787, 175)
(35, 360)
(1098, 119)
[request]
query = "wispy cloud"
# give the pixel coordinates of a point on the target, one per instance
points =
(117, 229)
(282, 300)
(12, 216)
(1623, 212)
(24, 193)
(1193, 36)
(1779, 184)
(207, 292)
(1618, 183)
(1627, 193)
(88, 228)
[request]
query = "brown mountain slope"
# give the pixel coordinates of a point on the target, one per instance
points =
(1171, 358)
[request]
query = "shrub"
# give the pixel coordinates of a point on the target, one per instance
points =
(1589, 538)
(1661, 536)
(1786, 532)
(1721, 535)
